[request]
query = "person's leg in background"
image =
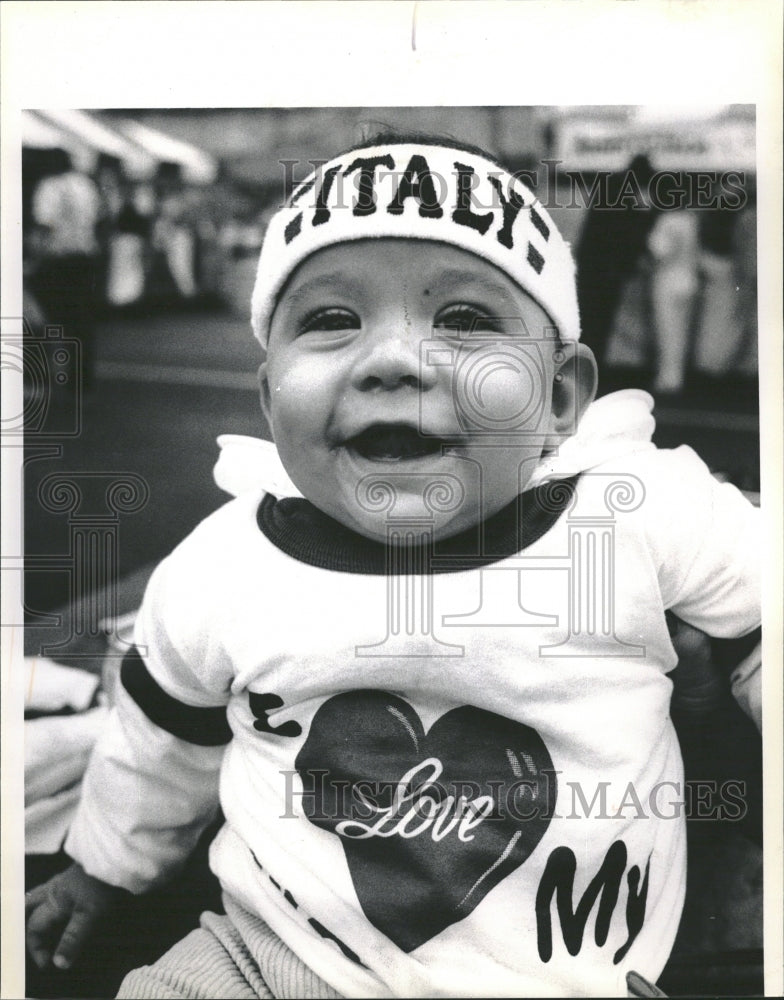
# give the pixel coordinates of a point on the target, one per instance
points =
(672, 312)
(718, 336)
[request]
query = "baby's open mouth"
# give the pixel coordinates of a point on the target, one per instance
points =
(393, 443)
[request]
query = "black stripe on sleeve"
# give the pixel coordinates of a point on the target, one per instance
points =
(205, 727)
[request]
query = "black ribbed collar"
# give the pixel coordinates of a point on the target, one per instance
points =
(304, 532)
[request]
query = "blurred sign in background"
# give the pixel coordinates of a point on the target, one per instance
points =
(685, 138)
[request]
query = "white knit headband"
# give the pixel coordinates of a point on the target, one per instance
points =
(421, 192)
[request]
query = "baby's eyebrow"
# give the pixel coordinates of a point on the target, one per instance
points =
(452, 279)
(446, 281)
(333, 281)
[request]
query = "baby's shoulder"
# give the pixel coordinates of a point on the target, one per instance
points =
(664, 493)
(649, 478)
(200, 581)
(218, 544)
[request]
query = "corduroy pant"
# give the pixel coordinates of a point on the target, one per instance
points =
(234, 957)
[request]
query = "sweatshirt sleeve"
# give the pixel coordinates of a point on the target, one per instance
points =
(705, 540)
(151, 785)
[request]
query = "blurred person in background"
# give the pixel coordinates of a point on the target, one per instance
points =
(673, 246)
(66, 208)
(240, 237)
(612, 241)
(110, 181)
(174, 234)
(129, 246)
(717, 337)
(744, 250)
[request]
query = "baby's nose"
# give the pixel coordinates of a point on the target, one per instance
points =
(390, 358)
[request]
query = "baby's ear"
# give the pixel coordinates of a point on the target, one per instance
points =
(264, 393)
(574, 388)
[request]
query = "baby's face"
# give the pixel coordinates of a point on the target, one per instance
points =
(409, 380)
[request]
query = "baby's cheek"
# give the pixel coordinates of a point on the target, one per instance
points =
(298, 397)
(502, 391)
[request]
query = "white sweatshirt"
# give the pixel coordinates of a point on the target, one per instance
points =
(457, 783)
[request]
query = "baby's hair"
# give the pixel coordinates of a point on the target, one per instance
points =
(387, 135)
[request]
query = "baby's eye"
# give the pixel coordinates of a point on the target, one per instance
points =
(330, 320)
(463, 318)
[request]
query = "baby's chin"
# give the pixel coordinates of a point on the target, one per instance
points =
(408, 532)
(411, 524)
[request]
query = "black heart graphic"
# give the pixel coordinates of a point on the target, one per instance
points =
(420, 856)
